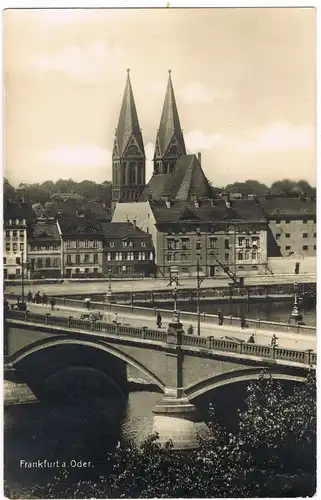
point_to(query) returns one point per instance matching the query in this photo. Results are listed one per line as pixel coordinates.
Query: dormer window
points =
(111, 244)
(143, 244)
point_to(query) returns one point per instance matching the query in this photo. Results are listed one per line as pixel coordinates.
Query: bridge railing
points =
(213, 344)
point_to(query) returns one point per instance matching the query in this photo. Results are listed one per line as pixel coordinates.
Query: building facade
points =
(292, 226)
(44, 250)
(82, 247)
(17, 219)
(128, 251)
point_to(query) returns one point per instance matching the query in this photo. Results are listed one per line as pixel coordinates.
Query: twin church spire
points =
(129, 161)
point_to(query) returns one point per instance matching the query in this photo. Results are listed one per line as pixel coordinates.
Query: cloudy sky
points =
(244, 81)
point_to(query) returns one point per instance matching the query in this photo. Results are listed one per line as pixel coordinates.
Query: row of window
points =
(215, 229)
(126, 243)
(15, 247)
(86, 270)
(83, 244)
(288, 235)
(17, 222)
(313, 221)
(87, 258)
(44, 247)
(130, 256)
(45, 263)
(304, 247)
(15, 233)
(176, 256)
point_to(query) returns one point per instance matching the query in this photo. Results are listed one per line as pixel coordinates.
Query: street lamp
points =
(24, 265)
(109, 292)
(174, 282)
(296, 315)
(199, 281)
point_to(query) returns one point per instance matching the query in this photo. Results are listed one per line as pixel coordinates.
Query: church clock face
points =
(133, 150)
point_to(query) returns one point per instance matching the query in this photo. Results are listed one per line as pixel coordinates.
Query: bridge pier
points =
(177, 420)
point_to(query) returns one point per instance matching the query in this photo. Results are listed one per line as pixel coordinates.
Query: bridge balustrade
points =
(56, 320)
(81, 324)
(256, 350)
(193, 340)
(99, 326)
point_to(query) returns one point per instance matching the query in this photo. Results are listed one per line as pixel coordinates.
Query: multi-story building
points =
(82, 246)
(128, 251)
(17, 219)
(44, 250)
(292, 226)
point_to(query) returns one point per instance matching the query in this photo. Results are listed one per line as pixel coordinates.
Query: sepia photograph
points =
(159, 252)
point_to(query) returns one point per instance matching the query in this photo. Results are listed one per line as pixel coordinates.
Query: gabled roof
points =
(17, 210)
(122, 230)
(186, 179)
(128, 124)
(74, 226)
(45, 232)
(141, 212)
(169, 124)
(288, 207)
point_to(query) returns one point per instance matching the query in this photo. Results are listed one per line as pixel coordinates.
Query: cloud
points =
(81, 155)
(93, 63)
(196, 139)
(279, 136)
(195, 92)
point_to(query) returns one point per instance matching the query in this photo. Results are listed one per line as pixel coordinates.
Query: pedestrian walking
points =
(159, 320)
(243, 322)
(273, 340)
(44, 299)
(52, 303)
(220, 317)
(29, 296)
(190, 330)
(251, 339)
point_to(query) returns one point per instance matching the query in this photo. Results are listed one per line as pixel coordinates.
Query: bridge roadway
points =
(286, 340)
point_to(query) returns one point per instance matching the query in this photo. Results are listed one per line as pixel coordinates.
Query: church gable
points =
(115, 149)
(133, 149)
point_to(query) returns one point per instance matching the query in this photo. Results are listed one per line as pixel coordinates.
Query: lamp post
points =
(109, 292)
(199, 281)
(24, 265)
(174, 282)
(296, 315)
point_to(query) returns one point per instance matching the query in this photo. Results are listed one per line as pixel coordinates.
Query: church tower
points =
(170, 143)
(128, 176)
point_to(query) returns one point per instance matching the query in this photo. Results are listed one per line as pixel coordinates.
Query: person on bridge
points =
(44, 299)
(29, 296)
(273, 340)
(251, 339)
(159, 320)
(220, 317)
(53, 303)
(243, 322)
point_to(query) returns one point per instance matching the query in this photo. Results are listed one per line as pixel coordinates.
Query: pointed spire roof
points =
(128, 123)
(170, 125)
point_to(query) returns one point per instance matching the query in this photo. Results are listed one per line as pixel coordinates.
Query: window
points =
(247, 255)
(22, 247)
(14, 234)
(255, 268)
(17, 260)
(305, 222)
(7, 247)
(314, 235)
(185, 243)
(254, 255)
(22, 234)
(247, 243)
(277, 222)
(277, 236)
(39, 262)
(287, 221)
(170, 244)
(184, 256)
(304, 235)
(77, 244)
(212, 255)
(169, 257)
(7, 234)
(240, 240)
(68, 244)
(4, 260)
(288, 247)
(77, 271)
(305, 247)
(287, 235)
(240, 268)
(213, 242)
(96, 244)
(198, 245)
(240, 256)
(227, 244)
(15, 247)
(69, 261)
(314, 247)
(86, 270)
(95, 258)
(227, 256)
(86, 243)
(143, 244)
(55, 262)
(77, 259)
(111, 244)
(47, 263)
(125, 243)
(18, 271)
(86, 258)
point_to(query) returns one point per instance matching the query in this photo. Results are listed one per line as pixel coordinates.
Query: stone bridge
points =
(36, 346)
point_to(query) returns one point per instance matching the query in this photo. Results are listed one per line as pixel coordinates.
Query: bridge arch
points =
(45, 344)
(195, 390)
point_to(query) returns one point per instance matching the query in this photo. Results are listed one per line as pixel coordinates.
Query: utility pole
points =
(22, 279)
(199, 280)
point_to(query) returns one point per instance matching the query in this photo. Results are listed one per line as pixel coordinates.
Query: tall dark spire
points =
(169, 141)
(128, 123)
(128, 152)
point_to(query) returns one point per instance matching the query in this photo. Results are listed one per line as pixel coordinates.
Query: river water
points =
(52, 431)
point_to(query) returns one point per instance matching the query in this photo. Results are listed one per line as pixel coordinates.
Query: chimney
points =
(199, 157)
(226, 198)
(134, 222)
(196, 200)
(166, 198)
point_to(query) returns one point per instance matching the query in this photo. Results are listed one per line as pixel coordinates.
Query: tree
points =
(248, 187)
